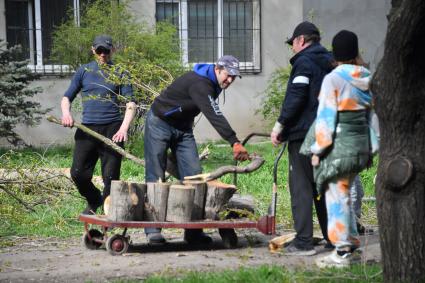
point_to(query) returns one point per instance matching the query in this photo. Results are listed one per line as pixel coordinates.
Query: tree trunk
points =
(399, 87)
(180, 203)
(199, 199)
(156, 201)
(218, 196)
(126, 201)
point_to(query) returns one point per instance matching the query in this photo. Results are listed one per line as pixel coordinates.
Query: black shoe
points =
(196, 237)
(156, 238)
(329, 246)
(363, 230)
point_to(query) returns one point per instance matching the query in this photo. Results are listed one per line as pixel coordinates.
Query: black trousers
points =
(86, 154)
(303, 193)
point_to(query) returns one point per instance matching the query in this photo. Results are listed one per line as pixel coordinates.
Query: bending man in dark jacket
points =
(169, 125)
(310, 64)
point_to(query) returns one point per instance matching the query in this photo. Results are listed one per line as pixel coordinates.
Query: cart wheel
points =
(229, 238)
(117, 244)
(90, 242)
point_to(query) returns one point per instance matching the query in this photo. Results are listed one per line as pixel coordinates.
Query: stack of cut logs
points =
(190, 201)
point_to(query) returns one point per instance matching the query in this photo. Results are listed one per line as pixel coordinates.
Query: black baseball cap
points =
(304, 28)
(104, 41)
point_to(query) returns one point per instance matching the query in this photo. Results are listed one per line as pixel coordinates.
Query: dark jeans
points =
(303, 192)
(159, 137)
(86, 153)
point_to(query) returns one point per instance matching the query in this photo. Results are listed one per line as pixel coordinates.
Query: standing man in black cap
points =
(310, 64)
(169, 125)
(101, 113)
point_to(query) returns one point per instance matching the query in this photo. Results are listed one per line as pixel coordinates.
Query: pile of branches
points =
(31, 183)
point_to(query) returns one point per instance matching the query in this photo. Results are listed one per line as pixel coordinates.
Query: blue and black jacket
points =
(299, 107)
(189, 95)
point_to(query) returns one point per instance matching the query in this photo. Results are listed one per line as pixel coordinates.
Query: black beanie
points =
(345, 46)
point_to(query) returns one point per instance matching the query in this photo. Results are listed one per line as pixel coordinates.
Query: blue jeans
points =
(159, 137)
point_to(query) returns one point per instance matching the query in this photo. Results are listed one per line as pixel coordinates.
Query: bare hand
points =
(67, 120)
(120, 136)
(274, 137)
(315, 160)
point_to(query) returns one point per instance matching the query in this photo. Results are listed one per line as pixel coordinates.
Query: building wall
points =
(367, 18)
(2, 20)
(242, 99)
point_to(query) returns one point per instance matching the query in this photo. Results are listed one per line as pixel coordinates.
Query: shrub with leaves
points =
(274, 94)
(16, 106)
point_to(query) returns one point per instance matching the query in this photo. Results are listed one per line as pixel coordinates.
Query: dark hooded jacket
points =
(299, 107)
(189, 95)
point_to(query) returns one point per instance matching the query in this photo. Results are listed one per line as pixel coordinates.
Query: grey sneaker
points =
(292, 250)
(335, 260)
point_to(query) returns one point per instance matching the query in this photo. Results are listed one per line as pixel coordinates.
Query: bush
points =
(274, 94)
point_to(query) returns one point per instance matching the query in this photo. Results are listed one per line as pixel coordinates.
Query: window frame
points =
(35, 36)
(253, 66)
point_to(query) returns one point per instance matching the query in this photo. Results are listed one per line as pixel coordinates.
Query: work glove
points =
(239, 152)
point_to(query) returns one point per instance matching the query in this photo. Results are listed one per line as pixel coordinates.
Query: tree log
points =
(256, 162)
(180, 203)
(126, 201)
(218, 195)
(156, 201)
(199, 199)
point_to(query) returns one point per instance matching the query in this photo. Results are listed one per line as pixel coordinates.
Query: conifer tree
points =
(16, 106)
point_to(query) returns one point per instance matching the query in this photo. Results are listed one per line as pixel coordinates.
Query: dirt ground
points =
(60, 260)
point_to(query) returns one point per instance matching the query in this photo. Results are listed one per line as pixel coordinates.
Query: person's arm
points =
(326, 116)
(130, 111)
(201, 96)
(297, 93)
(67, 120)
(70, 94)
(211, 110)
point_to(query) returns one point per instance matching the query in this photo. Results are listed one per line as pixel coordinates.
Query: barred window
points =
(209, 29)
(30, 23)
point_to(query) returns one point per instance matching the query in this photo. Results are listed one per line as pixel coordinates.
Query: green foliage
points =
(274, 94)
(15, 94)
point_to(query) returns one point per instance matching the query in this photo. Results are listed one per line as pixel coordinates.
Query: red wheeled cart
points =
(117, 244)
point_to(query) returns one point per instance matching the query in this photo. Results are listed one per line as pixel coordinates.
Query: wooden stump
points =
(156, 201)
(218, 195)
(140, 189)
(180, 203)
(199, 199)
(126, 201)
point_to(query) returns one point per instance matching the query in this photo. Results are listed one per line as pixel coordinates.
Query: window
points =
(30, 23)
(209, 29)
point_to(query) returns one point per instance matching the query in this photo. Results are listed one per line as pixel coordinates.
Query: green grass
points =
(58, 217)
(356, 273)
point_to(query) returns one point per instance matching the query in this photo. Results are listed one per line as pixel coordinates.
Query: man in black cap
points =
(101, 113)
(170, 121)
(310, 64)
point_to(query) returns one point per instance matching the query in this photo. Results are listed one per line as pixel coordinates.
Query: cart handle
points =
(244, 141)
